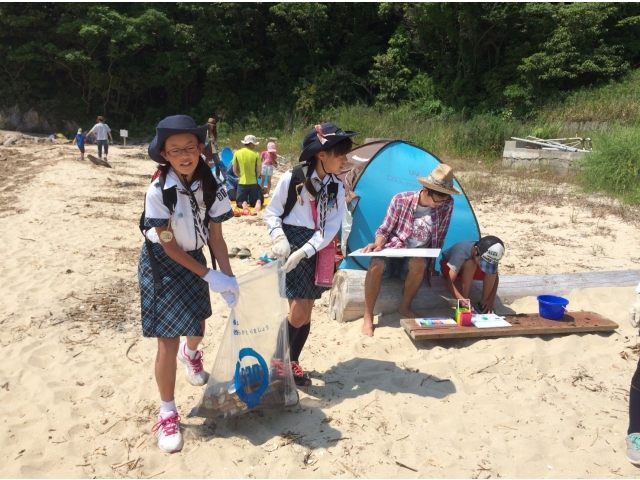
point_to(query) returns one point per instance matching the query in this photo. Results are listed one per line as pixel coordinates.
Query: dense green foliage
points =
(278, 65)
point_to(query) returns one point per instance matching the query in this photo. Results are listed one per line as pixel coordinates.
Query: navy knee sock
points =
(291, 333)
(298, 344)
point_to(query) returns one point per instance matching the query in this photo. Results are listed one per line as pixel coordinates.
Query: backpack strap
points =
(298, 176)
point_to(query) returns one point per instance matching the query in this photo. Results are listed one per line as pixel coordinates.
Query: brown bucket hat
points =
(440, 180)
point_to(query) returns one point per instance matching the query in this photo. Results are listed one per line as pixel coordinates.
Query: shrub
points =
(614, 166)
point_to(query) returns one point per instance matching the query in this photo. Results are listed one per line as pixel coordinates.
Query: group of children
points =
(303, 217)
(102, 134)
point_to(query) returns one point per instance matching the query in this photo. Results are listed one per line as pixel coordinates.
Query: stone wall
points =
(515, 155)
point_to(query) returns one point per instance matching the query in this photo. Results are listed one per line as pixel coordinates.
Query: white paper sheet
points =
(399, 252)
(489, 320)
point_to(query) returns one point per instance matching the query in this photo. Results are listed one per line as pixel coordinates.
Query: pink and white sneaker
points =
(168, 431)
(193, 367)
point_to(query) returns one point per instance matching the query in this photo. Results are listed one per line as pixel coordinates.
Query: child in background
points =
(79, 140)
(269, 161)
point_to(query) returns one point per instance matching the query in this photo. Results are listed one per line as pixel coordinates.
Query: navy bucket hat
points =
(174, 125)
(321, 138)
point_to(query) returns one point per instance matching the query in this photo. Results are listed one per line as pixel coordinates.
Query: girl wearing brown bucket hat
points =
(303, 217)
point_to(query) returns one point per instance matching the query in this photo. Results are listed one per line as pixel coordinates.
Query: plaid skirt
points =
(182, 302)
(301, 281)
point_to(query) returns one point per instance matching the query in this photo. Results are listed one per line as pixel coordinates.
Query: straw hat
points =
(440, 180)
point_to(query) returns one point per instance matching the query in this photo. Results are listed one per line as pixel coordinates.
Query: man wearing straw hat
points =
(413, 220)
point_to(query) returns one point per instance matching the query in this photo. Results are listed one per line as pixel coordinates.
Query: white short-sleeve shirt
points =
(189, 232)
(101, 130)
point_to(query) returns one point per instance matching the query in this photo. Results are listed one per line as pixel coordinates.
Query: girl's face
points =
(182, 151)
(332, 163)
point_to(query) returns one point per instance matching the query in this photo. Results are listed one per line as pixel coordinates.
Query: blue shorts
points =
(397, 267)
(81, 148)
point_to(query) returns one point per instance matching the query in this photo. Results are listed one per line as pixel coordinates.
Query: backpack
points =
(169, 199)
(298, 176)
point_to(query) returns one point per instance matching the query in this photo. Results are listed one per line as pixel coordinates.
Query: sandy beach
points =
(79, 395)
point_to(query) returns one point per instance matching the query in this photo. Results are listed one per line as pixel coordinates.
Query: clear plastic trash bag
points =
(252, 369)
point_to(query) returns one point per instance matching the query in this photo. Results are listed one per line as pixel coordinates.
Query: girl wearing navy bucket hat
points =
(184, 209)
(303, 217)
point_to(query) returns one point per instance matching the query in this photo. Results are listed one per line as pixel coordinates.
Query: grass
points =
(614, 168)
(615, 102)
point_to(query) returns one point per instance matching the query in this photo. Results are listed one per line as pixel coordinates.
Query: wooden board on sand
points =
(522, 324)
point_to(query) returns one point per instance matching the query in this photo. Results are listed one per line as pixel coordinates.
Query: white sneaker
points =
(168, 431)
(193, 367)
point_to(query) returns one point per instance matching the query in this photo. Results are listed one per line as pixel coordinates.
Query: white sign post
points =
(124, 134)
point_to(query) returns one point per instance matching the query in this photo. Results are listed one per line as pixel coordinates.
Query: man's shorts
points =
(397, 267)
(267, 170)
(248, 193)
(81, 148)
(444, 270)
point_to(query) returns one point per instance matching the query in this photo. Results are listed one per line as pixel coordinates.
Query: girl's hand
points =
(281, 247)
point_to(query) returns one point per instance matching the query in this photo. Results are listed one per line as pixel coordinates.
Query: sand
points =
(79, 395)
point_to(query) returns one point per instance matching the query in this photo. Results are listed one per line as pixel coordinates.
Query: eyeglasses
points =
(179, 151)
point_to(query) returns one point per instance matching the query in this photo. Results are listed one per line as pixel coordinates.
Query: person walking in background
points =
(246, 166)
(102, 132)
(79, 140)
(269, 162)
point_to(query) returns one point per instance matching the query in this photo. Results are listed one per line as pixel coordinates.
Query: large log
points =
(346, 301)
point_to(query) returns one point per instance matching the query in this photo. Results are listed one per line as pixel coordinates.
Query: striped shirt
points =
(397, 226)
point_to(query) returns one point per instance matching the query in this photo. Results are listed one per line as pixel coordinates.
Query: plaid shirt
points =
(397, 226)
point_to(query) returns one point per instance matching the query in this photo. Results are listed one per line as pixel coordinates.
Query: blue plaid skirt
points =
(182, 302)
(301, 281)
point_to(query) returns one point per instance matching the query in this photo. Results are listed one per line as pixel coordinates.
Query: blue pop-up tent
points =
(375, 173)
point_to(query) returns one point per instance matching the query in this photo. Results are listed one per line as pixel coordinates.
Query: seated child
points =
(469, 260)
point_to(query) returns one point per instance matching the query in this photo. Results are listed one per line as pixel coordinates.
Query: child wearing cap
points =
(269, 161)
(469, 260)
(172, 272)
(246, 166)
(79, 140)
(303, 218)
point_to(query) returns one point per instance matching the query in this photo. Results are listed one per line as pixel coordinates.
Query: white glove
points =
(634, 314)
(294, 260)
(281, 247)
(230, 298)
(218, 281)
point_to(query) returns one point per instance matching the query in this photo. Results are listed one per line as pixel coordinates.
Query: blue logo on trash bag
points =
(248, 376)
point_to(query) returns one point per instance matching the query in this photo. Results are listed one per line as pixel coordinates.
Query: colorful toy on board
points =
(463, 314)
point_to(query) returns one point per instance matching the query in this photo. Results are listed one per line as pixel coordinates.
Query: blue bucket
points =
(552, 307)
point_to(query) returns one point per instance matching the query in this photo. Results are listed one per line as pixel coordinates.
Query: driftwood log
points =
(346, 301)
